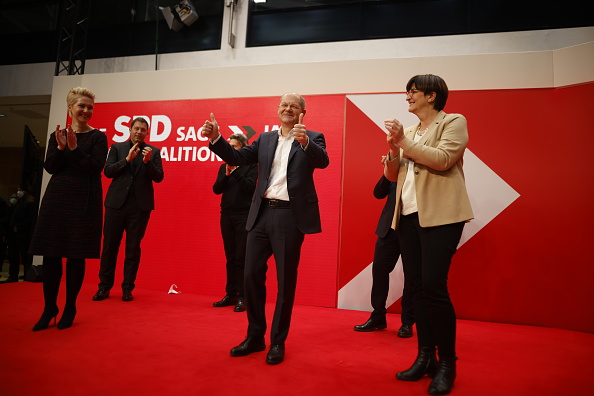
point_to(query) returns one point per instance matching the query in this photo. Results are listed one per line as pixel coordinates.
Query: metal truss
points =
(74, 24)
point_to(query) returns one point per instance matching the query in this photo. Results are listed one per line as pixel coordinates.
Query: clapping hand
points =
(66, 137)
(71, 137)
(395, 134)
(229, 169)
(61, 138)
(132, 153)
(146, 154)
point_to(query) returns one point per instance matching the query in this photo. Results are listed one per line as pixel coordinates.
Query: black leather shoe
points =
(425, 363)
(10, 280)
(444, 377)
(371, 325)
(240, 306)
(226, 301)
(127, 296)
(101, 295)
(405, 331)
(276, 354)
(249, 345)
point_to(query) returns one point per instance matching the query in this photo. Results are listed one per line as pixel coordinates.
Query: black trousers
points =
(385, 257)
(274, 233)
(134, 222)
(426, 255)
(234, 242)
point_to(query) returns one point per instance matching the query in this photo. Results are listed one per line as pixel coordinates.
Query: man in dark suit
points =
(133, 166)
(385, 257)
(284, 208)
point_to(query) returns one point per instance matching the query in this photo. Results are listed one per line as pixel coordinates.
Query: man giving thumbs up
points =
(284, 208)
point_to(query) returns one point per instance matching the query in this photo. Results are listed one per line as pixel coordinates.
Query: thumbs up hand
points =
(300, 132)
(210, 129)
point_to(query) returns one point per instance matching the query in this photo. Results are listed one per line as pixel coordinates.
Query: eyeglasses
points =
(412, 92)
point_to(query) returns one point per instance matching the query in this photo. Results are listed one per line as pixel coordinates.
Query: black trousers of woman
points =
(426, 257)
(52, 276)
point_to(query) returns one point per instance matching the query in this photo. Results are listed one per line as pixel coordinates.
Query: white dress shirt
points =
(277, 182)
(409, 191)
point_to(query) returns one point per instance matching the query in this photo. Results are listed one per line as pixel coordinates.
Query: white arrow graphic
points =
(489, 195)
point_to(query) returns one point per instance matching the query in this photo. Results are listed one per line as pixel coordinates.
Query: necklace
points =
(421, 133)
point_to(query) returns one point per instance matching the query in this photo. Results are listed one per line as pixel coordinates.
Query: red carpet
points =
(165, 344)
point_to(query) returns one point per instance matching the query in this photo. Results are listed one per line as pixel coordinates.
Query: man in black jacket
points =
(236, 184)
(133, 166)
(385, 257)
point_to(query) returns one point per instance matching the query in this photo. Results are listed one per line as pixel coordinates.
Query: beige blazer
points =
(439, 177)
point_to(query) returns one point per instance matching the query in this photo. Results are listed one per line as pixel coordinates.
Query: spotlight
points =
(182, 14)
(187, 12)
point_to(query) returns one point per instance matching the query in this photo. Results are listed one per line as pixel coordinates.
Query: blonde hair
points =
(76, 92)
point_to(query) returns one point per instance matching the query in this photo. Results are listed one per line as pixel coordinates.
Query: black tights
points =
(52, 276)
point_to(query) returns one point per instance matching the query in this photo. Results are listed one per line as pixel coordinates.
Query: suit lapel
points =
(432, 127)
(294, 147)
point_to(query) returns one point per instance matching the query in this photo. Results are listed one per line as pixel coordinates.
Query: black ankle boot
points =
(46, 317)
(444, 377)
(425, 363)
(67, 318)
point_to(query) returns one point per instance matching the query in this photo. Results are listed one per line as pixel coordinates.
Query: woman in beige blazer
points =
(432, 206)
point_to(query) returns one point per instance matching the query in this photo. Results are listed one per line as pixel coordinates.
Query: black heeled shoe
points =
(67, 318)
(46, 318)
(425, 363)
(444, 377)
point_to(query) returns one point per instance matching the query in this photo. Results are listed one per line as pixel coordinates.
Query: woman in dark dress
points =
(69, 222)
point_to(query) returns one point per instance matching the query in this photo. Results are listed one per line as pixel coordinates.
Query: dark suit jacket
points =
(124, 178)
(300, 182)
(383, 188)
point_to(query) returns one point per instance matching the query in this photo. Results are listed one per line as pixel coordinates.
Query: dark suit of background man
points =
(236, 185)
(385, 257)
(284, 208)
(133, 166)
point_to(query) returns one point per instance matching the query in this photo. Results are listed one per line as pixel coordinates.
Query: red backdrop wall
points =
(183, 243)
(530, 265)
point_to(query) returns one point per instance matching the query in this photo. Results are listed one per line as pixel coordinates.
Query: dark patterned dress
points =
(70, 217)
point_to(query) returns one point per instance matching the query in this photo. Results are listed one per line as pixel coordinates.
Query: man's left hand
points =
(146, 154)
(229, 169)
(300, 132)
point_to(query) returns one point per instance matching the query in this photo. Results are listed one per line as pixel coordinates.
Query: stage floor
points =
(178, 344)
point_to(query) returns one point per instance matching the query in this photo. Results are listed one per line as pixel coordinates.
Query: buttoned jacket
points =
(300, 181)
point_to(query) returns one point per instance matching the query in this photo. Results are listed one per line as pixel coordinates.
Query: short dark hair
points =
(429, 83)
(241, 138)
(139, 119)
